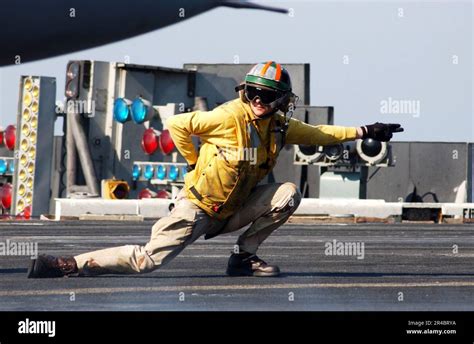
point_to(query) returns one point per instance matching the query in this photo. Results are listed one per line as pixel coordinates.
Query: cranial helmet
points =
(269, 76)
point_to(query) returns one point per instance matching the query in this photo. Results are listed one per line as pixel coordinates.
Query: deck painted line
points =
(231, 287)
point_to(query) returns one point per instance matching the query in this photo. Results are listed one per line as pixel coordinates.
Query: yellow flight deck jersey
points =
(237, 150)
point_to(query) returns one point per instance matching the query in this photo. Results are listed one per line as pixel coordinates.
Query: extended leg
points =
(170, 235)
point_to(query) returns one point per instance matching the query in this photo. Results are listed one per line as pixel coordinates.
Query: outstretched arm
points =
(306, 134)
(303, 133)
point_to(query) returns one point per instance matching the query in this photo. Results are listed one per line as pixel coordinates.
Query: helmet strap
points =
(239, 87)
(290, 108)
(277, 104)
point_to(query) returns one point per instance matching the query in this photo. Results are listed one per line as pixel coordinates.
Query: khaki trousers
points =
(266, 209)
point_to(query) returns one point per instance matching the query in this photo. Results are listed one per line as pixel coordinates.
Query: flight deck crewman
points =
(240, 143)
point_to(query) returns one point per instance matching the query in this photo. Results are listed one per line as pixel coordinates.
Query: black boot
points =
(49, 266)
(246, 264)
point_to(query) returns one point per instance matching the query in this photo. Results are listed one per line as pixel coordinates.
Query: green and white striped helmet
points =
(269, 74)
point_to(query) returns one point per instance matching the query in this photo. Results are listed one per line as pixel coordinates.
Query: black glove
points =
(189, 168)
(380, 131)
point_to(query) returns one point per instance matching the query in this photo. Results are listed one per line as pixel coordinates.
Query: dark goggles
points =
(266, 96)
